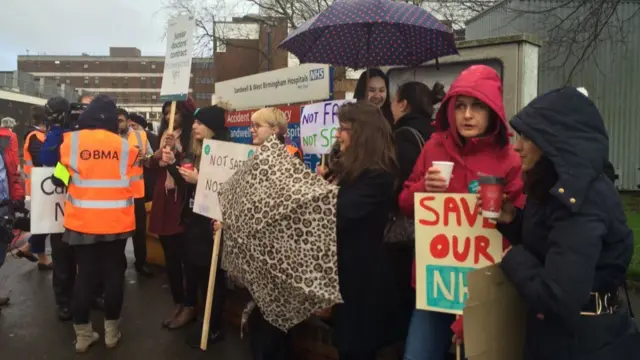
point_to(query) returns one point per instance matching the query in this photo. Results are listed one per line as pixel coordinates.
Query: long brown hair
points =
(371, 147)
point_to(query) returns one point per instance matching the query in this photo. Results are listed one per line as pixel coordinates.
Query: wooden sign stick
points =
(210, 290)
(172, 115)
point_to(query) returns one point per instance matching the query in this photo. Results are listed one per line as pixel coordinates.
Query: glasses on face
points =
(256, 126)
(342, 129)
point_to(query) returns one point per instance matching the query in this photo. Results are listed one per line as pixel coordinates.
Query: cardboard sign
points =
(494, 317)
(219, 161)
(452, 239)
(47, 214)
(318, 126)
(177, 60)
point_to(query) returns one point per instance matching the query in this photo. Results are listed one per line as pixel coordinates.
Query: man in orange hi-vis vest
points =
(97, 164)
(131, 127)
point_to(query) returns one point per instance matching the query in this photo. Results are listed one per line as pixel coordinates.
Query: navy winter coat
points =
(573, 242)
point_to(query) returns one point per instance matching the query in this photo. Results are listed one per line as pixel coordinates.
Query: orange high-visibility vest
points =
(139, 139)
(28, 160)
(99, 196)
(294, 151)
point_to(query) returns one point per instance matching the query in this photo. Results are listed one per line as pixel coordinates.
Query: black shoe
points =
(45, 267)
(144, 271)
(193, 337)
(4, 300)
(23, 255)
(64, 313)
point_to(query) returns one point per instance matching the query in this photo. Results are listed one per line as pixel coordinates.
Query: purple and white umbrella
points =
(370, 33)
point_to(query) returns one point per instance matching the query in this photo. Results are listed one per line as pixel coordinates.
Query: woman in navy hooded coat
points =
(571, 243)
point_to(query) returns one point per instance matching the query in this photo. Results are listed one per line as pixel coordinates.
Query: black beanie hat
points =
(101, 113)
(138, 119)
(211, 117)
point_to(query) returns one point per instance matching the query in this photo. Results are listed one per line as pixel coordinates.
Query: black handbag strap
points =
(415, 132)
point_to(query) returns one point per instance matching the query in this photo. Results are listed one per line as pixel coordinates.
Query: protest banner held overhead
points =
(318, 126)
(219, 161)
(452, 239)
(47, 203)
(177, 63)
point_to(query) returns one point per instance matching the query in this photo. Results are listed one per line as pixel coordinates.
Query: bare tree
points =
(572, 30)
(214, 31)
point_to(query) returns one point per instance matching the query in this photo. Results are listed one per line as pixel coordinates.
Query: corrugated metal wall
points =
(612, 77)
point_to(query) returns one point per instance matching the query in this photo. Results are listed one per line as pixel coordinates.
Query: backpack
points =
(4, 176)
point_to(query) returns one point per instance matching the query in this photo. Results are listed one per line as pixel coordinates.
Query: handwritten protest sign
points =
(177, 62)
(219, 161)
(452, 239)
(47, 210)
(318, 126)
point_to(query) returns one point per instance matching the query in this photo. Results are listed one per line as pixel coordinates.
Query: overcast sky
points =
(74, 26)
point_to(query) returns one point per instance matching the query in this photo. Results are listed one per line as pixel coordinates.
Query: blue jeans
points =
(37, 243)
(429, 336)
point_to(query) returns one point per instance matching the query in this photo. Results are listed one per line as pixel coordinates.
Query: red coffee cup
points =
(491, 192)
(187, 164)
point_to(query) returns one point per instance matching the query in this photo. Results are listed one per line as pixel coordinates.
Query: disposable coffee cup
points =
(491, 193)
(187, 164)
(446, 168)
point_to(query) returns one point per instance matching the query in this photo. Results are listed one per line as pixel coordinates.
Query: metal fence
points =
(28, 84)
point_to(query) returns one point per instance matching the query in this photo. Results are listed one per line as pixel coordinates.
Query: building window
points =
(154, 97)
(68, 82)
(125, 82)
(143, 63)
(153, 66)
(57, 62)
(114, 83)
(96, 81)
(86, 82)
(153, 82)
(58, 78)
(86, 66)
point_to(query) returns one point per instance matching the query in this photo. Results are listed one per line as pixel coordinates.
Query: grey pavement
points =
(30, 330)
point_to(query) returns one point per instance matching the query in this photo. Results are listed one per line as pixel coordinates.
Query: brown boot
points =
(187, 315)
(174, 314)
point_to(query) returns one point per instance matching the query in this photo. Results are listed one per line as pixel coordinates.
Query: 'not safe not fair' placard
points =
(218, 162)
(452, 239)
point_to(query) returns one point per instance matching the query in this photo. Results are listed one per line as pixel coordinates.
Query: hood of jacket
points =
(101, 113)
(481, 82)
(568, 128)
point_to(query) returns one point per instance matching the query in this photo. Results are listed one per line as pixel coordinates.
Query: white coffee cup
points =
(446, 168)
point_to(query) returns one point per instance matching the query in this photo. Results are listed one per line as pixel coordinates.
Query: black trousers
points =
(140, 235)
(200, 276)
(175, 263)
(349, 356)
(104, 261)
(267, 342)
(64, 270)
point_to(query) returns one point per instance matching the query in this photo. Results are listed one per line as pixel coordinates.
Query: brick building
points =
(244, 46)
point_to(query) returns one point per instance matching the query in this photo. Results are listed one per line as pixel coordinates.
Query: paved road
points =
(29, 329)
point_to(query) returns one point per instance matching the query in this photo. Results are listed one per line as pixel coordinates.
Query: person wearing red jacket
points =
(11, 162)
(472, 132)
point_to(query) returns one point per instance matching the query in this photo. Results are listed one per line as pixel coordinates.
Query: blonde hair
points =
(196, 145)
(273, 117)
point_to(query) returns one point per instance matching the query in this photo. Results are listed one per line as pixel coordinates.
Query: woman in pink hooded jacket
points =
(471, 132)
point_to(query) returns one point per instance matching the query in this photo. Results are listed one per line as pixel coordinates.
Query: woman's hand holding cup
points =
(434, 181)
(507, 211)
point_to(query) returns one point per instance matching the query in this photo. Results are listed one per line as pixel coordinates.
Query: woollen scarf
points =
(170, 183)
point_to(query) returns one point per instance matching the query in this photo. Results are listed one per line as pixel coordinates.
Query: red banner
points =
(243, 117)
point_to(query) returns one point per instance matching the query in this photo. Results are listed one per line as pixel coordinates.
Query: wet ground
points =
(30, 330)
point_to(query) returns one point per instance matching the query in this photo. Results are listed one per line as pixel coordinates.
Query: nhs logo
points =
(316, 74)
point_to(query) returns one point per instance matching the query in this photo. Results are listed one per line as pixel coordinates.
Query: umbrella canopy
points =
(369, 33)
(279, 235)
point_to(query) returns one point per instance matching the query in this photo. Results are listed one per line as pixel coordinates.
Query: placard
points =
(318, 126)
(452, 239)
(219, 161)
(177, 59)
(47, 202)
